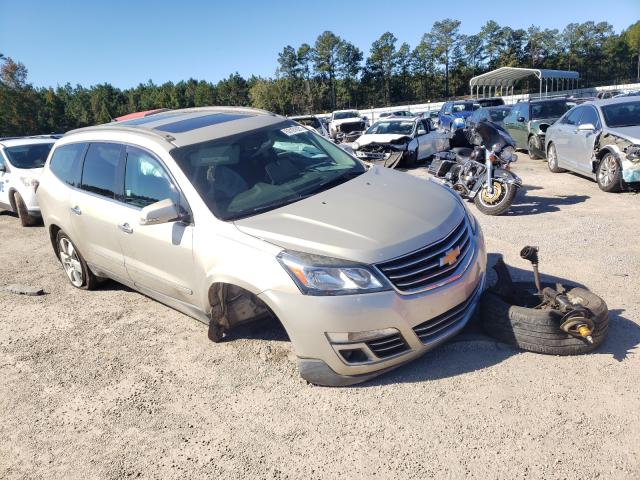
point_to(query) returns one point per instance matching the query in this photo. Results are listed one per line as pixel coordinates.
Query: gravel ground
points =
(110, 384)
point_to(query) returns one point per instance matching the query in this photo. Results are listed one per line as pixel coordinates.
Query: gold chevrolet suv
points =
(232, 214)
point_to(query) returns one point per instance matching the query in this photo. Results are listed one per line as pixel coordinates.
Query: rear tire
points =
(532, 145)
(609, 174)
(537, 330)
(74, 265)
(25, 219)
(552, 159)
(502, 204)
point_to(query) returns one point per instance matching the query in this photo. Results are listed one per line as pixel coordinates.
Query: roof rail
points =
(221, 108)
(111, 127)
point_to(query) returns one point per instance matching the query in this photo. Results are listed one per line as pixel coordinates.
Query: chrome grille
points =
(427, 268)
(388, 346)
(433, 327)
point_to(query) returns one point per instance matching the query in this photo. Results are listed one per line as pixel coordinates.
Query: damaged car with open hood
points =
(599, 139)
(402, 142)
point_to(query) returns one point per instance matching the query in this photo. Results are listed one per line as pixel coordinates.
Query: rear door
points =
(95, 211)
(157, 257)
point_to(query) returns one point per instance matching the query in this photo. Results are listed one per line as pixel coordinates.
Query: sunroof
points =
(188, 124)
(151, 118)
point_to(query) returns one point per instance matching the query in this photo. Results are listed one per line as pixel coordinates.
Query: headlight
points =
(29, 181)
(508, 154)
(633, 152)
(355, 145)
(318, 275)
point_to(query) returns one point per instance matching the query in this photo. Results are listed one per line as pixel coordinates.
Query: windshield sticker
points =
(290, 131)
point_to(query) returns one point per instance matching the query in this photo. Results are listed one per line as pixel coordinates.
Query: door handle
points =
(76, 210)
(126, 228)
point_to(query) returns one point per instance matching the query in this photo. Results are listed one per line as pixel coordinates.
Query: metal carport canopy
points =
(507, 76)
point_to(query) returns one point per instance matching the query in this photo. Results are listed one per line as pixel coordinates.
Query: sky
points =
(129, 42)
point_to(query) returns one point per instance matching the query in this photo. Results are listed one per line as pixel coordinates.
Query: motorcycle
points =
(479, 169)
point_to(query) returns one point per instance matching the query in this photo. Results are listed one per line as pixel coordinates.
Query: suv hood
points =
(376, 216)
(379, 138)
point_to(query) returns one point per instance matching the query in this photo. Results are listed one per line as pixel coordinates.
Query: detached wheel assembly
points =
(543, 320)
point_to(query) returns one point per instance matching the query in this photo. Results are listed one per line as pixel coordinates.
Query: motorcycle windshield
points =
(490, 134)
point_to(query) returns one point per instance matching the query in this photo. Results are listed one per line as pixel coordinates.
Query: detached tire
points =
(25, 219)
(539, 330)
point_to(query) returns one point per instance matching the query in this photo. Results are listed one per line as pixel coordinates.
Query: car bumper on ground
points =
(401, 327)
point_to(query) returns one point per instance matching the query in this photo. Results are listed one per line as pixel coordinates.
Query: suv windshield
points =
(29, 156)
(550, 109)
(260, 170)
(462, 107)
(622, 114)
(343, 115)
(499, 114)
(397, 127)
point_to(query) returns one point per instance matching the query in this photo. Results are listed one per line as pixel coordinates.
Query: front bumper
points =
(308, 319)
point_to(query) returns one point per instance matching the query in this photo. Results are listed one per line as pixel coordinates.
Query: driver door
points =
(584, 140)
(430, 141)
(157, 257)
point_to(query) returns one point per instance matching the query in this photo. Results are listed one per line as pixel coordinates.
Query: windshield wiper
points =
(335, 181)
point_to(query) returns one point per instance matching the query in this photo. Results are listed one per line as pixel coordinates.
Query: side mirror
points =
(520, 119)
(586, 127)
(3, 168)
(422, 131)
(164, 211)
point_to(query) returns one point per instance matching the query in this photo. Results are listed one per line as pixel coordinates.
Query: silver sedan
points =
(599, 139)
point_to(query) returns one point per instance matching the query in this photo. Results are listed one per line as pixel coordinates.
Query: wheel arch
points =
(597, 158)
(53, 234)
(12, 199)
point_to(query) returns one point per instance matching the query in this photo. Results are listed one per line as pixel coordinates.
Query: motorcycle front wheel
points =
(497, 202)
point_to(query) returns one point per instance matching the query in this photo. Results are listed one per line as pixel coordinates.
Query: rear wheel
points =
(533, 146)
(552, 159)
(609, 174)
(74, 264)
(498, 201)
(25, 219)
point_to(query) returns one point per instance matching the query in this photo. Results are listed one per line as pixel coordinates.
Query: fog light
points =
(357, 337)
(354, 355)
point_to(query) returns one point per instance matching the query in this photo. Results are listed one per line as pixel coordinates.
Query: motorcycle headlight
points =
(318, 275)
(458, 123)
(29, 181)
(508, 154)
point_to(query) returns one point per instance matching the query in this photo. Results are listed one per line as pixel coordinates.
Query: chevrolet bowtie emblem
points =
(450, 257)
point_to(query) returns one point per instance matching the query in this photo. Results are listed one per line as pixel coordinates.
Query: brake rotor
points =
(491, 197)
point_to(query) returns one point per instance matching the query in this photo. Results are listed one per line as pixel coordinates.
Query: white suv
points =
(21, 162)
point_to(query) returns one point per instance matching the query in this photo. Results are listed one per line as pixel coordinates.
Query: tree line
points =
(334, 73)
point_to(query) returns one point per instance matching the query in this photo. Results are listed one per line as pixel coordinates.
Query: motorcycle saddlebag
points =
(440, 166)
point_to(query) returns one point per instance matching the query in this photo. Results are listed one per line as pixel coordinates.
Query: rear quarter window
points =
(65, 162)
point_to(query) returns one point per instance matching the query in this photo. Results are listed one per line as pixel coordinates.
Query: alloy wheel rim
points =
(552, 156)
(608, 170)
(496, 197)
(71, 262)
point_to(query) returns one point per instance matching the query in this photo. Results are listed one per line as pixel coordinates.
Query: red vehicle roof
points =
(146, 113)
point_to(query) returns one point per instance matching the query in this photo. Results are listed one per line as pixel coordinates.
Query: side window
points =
(590, 116)
(100, 168)
(2, 164)
(146, 181)
(515, 112)
(573, 116)
(65, 163)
